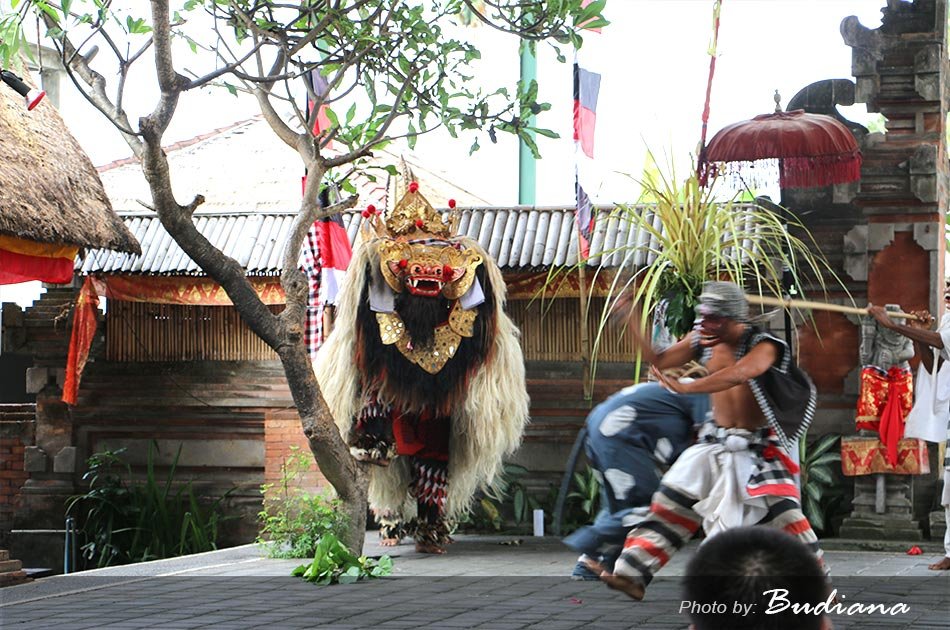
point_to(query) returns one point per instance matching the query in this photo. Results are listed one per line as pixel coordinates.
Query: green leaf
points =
(827, 458)
(412, 136)
(824, 444)
(813, 513)
(50, 11)
(332, 117)
(520, 504)
(547, 133)
(821, 474)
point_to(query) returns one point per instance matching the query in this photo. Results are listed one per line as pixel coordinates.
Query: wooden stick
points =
(764, 300)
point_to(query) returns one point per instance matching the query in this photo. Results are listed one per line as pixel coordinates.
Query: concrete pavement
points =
(483, 582)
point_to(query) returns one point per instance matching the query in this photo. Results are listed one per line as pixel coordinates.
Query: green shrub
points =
(124, 521)
(822, 493)
(293, 522)
(583, 502)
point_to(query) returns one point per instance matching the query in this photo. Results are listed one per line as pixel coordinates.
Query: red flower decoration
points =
(365, 213)
(413, 186)
(403, 263)
(420, 223)
(371, 209)
(447, 271)
(452, 203)
(915, 551)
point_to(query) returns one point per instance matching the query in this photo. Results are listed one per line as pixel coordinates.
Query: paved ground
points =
(481, 583)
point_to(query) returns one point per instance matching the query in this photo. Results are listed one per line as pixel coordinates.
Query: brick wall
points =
(12, 475)
(282, 432)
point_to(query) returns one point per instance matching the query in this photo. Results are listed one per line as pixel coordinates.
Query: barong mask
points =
(416, 253)
(427, 300)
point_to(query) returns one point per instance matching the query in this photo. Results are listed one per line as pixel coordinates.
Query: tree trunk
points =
(347, 476)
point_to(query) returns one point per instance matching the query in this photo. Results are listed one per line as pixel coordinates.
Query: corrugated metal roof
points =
(517, 238)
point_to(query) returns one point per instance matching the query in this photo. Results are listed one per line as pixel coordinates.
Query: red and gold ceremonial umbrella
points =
(811, 149)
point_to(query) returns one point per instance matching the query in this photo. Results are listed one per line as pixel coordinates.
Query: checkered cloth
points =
(311, 266)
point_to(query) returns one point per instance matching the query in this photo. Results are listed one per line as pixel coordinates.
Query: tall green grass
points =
(123, 520)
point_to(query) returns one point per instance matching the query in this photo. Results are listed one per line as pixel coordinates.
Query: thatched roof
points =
(49, 190)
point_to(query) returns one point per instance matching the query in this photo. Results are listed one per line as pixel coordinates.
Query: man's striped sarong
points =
(732, 477)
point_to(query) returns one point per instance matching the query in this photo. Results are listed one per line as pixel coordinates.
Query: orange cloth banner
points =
(868, 456)
(84, 329)
(189, 290)
(22, 260)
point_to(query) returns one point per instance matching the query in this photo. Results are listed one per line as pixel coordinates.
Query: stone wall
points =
(17, 427)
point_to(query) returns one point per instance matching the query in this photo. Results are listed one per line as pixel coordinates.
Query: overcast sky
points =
(653, 62)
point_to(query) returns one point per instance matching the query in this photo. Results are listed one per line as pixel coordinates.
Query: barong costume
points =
(632, 437)
(423, 371)
(731, 477)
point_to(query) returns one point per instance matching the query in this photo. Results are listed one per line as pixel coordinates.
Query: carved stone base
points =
(39, 519)
(886, 515)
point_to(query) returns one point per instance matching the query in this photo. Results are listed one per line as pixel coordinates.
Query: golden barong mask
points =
(416, 253)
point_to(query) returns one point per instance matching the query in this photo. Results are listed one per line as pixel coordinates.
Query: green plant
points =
(334, 564)
(820, 492)
(123, 520)
(584, 500)
(293, 522)
(509, 501)
(691, 236)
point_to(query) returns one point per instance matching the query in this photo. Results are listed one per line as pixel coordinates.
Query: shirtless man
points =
(738, 473)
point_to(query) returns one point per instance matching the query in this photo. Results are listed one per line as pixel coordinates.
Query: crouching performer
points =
(423, 371)
(739, 472)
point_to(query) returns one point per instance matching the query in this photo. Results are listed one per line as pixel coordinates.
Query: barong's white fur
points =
(486, 428)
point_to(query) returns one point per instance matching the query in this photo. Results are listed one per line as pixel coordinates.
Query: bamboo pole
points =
(764, 300)
(585, 333)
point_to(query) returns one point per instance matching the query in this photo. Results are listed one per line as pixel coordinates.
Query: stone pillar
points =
(901, 71)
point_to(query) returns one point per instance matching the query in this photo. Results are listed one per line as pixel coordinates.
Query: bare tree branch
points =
(78, 66)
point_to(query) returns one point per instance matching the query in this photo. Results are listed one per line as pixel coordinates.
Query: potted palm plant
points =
(687, 235)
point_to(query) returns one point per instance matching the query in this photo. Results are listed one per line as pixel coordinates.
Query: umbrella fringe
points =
(822, 170)
(794, 172)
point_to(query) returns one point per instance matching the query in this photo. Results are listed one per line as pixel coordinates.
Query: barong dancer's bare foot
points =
(390, 542)
(620, 583)
(427, 547)
(943, 565)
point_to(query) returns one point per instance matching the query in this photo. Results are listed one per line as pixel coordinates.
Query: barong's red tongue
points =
(891, 427)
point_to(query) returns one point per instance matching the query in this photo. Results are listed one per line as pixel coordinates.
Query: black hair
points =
(749, 566)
